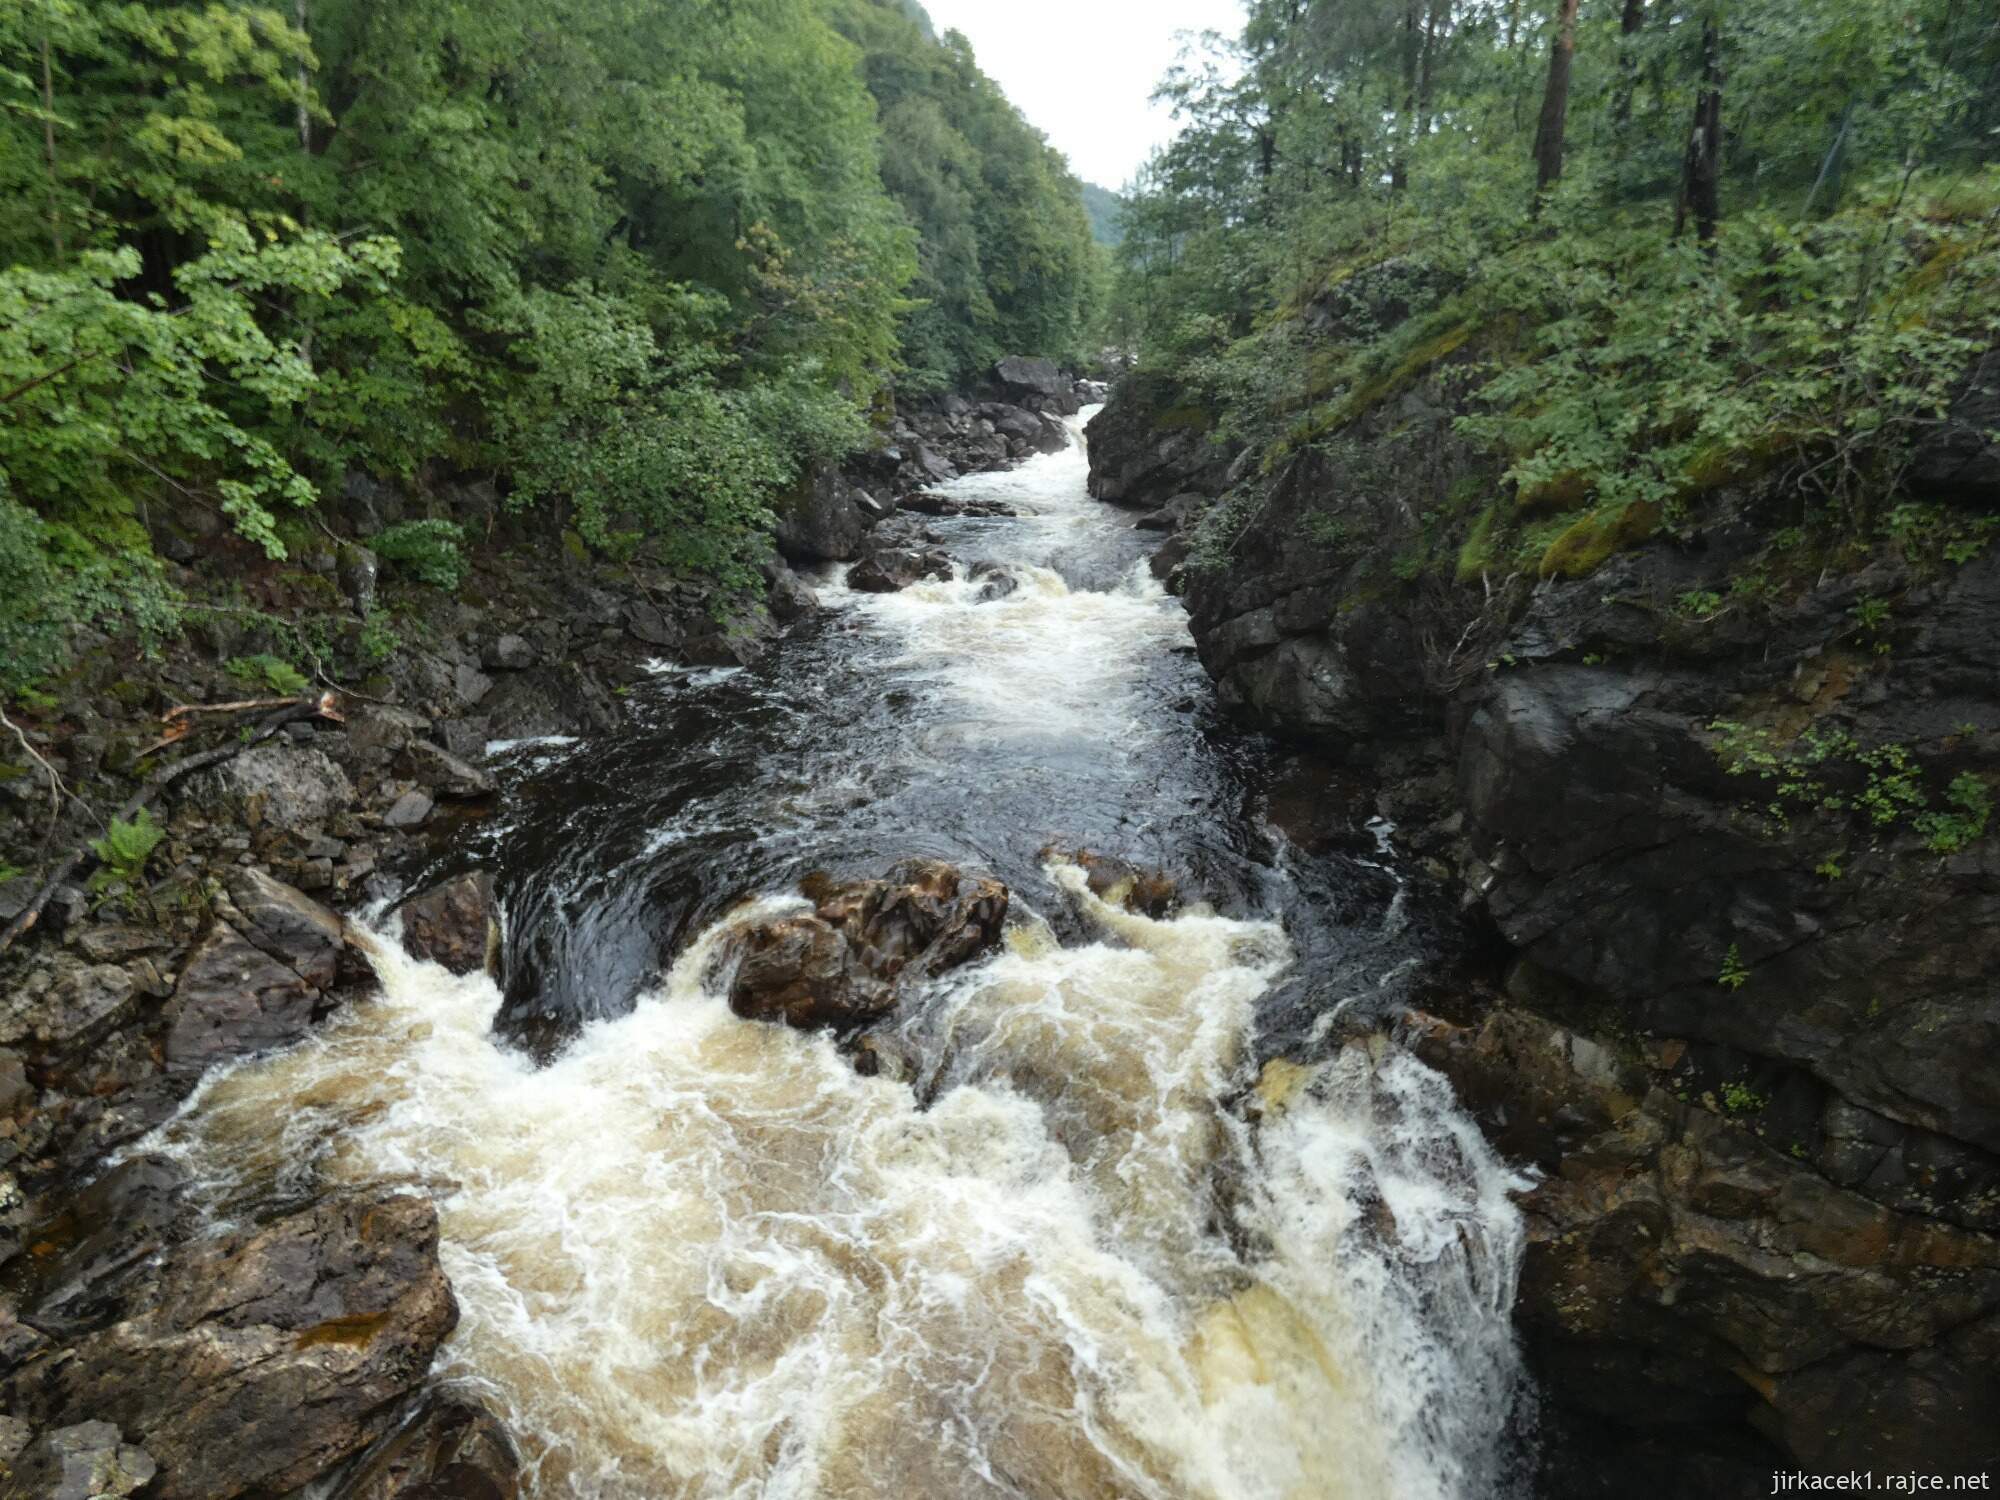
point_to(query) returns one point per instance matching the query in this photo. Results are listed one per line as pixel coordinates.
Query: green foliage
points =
(1970, 808)
(1005, 258)
(123, 851)
(429, 551)
(1829, 771)
(639, 265)
(273, 672)
(1734, 974)
(1741, 1099)
(1347, 218)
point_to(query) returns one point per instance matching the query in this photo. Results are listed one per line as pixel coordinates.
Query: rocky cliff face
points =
(1728, 817)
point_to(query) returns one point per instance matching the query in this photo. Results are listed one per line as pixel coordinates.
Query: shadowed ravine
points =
(1117, 1250)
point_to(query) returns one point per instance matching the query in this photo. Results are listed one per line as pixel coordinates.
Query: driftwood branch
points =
(323, 706)
(57, 790)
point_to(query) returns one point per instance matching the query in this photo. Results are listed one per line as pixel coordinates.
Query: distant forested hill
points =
(1107, 214)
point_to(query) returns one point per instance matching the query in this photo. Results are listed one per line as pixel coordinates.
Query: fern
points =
(278, 675)
(123, 851)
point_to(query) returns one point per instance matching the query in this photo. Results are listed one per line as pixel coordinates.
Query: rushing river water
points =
(1107, 1255)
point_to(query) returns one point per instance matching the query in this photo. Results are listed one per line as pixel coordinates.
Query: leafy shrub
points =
(427, 550)
(31, 607)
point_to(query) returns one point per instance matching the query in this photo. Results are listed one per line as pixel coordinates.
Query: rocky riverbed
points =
(149, 1345)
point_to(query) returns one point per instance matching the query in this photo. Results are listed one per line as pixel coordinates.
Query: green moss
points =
(1185, 419)
(1583, 548)
(1406, 371)
(1565, 492)
(1476, 553)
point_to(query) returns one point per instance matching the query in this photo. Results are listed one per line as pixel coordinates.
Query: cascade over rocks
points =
(841, 965)
(1151, 893)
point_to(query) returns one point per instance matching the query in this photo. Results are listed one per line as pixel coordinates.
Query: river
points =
(1115, 1247)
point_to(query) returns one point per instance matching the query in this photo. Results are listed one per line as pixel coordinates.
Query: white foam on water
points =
(1092, 1256)
(703, 1257)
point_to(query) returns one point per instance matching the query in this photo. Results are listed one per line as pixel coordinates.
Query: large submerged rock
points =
(841, 965)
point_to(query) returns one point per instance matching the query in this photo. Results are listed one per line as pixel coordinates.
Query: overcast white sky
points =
(1082, 70)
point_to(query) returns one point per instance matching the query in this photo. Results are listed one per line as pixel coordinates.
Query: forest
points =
(637, 266)
(1662, 246)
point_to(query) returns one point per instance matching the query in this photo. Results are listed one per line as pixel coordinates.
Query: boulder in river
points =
(823, 521)
(840, 965)
(455, 924)
(1151, 893)
(895, 568)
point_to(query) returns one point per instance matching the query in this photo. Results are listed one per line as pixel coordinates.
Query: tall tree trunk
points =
(1701, 173)
(305, 81)
(1630, 25)
(49, 148)
(1436, 27)
(1555, 101)
(1399, 169)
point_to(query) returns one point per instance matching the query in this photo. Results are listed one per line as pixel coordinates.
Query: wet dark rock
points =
(933, 466)
(896, 568)
(1029, 377)
(450, 1450)
(790, 597)
(800, 970)
(547, 700)
(257, 980)
(284, 787)
(1959, 457)
(995, 580)
(1680, 1262)
(1176, 515)
(841, 965)
(455, 924)
(88, 1461)
(104, 1238)
(824, 521)
(1150, 443)
(251, 1363)
(444, 773)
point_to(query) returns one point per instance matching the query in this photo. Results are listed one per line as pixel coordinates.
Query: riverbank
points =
(339, 715)
(1716, 798)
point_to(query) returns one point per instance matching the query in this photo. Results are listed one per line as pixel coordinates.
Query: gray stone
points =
(292, 788)
(445, 773)
(89, 1461)
(509, 653)
(408, 810)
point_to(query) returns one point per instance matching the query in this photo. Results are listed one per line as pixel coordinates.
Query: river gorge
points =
(1103, 1242)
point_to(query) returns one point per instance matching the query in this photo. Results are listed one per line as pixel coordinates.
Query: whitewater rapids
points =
(1097, 1255)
